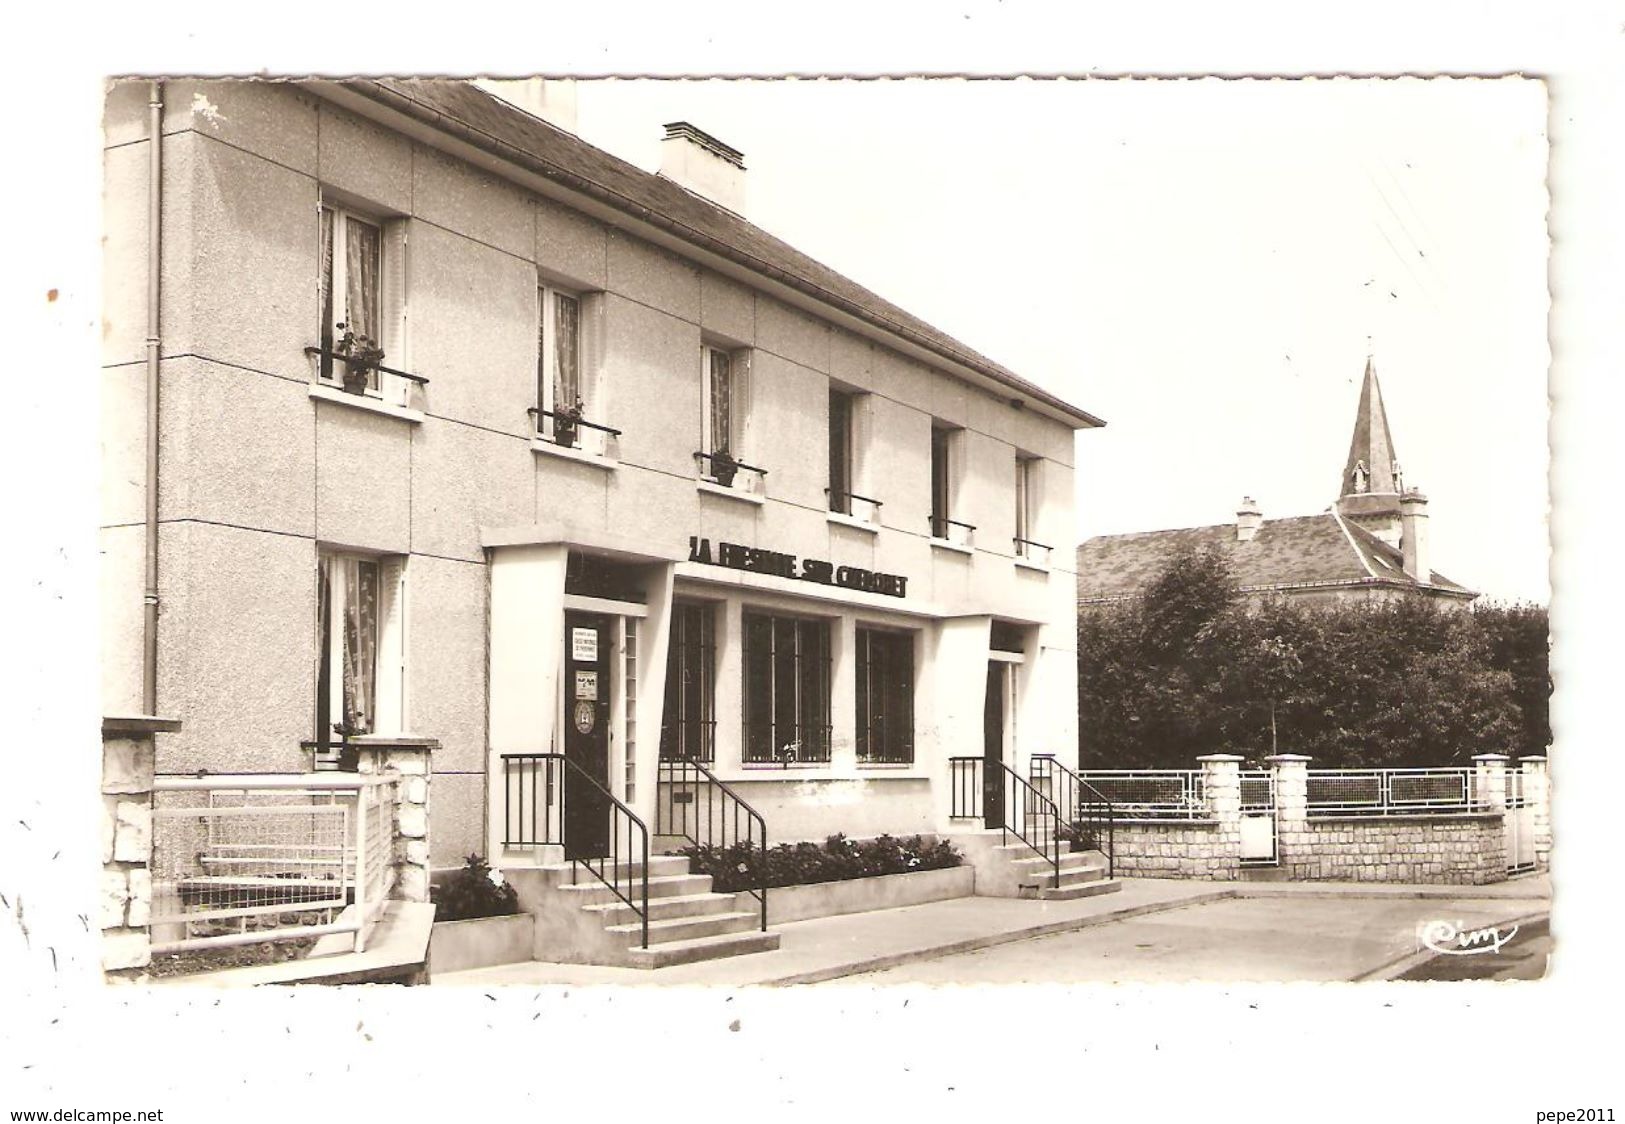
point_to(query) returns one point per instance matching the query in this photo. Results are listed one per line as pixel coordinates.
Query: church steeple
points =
(1372, 479)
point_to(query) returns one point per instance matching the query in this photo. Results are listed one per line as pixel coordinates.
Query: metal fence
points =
(1390, 792)
(1151, 794)
(246, 860)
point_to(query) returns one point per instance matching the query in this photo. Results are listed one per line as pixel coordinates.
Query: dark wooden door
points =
(587, 639)
(993, 748)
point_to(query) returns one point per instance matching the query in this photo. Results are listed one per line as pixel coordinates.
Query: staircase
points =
(580, 920)
(1082, 874)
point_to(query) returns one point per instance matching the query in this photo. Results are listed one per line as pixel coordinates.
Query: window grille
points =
(885, 697)
(787, 677)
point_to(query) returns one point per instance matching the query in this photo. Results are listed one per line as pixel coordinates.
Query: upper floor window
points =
(361, 289)
(360, 674)
(944, 455)
(787, 677)
(560, 398)
(885, 697)
(1027, 500)
(840, 452)
(722, 419)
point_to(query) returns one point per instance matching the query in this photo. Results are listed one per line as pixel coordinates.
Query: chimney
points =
(1248, 519)
(551, 99)
(704, 165)
(1413, 535)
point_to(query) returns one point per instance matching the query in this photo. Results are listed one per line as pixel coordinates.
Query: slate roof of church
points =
(1300, 552)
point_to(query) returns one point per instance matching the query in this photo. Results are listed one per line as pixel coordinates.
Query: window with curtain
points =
(719, 404)
(360, 655)
(885, 697)
(689, 721)
(787, 677)
(840, 452)
(940, 511)
(559, 384)
(351, 261)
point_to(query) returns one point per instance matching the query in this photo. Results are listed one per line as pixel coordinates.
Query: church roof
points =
(1301, 552)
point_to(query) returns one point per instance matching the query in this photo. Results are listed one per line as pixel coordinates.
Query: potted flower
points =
(361, 355)
(724, 468)
(566, 420)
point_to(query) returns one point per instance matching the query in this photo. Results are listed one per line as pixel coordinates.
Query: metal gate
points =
(1258, 818)
(1519, 825)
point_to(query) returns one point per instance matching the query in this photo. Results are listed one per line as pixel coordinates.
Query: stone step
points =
(618, 912)
(702, 948)
(1078, 890)
(687, 928)
(590, 891)
(658, 865)
(1072, 877)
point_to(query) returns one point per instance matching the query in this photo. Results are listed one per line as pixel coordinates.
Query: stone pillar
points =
(1291, 806)
(1221, 787)
(1537, 790)
(1490, 782)
(128, 764)
(409, 760)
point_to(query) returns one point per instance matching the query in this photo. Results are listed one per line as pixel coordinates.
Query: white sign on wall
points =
(584, 645)
(587, 685)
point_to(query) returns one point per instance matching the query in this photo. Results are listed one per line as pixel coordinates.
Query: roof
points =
(1306, 551)
(481, 119)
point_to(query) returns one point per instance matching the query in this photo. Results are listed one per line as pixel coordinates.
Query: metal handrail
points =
(1082, 794)
(1030, 542)
(610, 875)
(965, 787)
(943, 519)
(536, 411)
(755, 824)
(328, 354)
(608, 868)
(736, 463)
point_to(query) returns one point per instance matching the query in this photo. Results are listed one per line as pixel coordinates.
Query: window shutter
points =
(590, 357)
(742, 394)
(393, 301)
(391, 687)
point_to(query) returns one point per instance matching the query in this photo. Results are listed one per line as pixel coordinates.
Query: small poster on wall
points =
(587, 685)
(584, 645)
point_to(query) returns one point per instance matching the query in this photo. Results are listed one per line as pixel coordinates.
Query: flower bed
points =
(474, 891)
(744, 866)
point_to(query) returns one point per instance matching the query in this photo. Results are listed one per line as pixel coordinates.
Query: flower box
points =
(860, 895)
(481, 942)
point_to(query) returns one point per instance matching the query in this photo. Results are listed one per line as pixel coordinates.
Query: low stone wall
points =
(1460, 849)
(410, 760)
(481, 942)
(1177, 849)
(127, 779)
(858, 895)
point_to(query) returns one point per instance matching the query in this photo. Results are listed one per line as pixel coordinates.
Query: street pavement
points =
(1152, 930)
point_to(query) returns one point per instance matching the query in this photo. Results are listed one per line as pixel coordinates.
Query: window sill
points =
(572, 453)
(944, 544)
(1029, 564)
(854, 522)
(323, 393)
(731, 493)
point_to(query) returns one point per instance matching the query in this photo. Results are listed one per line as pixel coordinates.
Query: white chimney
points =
(704, 165)
(1413, 535)
(1248, 519)
(551, 99)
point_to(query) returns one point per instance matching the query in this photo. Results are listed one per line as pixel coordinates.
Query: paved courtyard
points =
(1285, 938)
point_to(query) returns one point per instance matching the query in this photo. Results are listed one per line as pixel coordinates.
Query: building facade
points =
(474, 436)
(1371, 545)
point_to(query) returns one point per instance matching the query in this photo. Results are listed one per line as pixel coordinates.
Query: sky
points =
(1205, 264)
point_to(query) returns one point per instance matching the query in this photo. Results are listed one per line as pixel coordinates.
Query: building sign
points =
(587, 685)
(755, 560)
(586, 717)
(584, 645)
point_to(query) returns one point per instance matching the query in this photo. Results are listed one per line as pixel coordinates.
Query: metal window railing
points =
(248, 860)
(1151, 794)
(1035, 552)
(865, 508)
(1391, 792)
(727, 471)
(572, 432)
(953, 531)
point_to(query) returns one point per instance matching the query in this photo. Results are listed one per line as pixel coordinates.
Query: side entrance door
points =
(587, 638)
(993, 747)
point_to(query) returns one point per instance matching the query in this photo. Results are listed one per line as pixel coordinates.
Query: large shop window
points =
(360, 673)
(689, 722)
(885, 715)
(361, 288)
(787, 673)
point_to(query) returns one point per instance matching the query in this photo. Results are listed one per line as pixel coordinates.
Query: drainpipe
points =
(155, 164)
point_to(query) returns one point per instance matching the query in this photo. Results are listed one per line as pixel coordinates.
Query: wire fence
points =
(1390, 792)
(1151, 794)
(269, 858)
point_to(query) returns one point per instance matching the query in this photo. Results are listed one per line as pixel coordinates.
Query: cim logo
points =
(1453, 938)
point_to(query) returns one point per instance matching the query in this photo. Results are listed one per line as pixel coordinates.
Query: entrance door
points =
(1519, 825)
(586, 734)
(993, 747)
